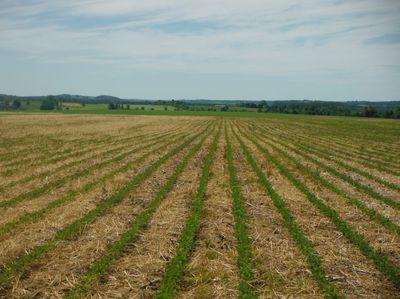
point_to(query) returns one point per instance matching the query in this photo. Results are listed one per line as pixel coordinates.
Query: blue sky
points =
(159, 49)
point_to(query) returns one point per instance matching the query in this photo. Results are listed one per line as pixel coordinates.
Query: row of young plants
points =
(321, 149)
(382, 262)
(368, 162)
(305, 245)
(372, 213)
(29, 195)
(374, 140)
(366, 189)
(244, 259)
(176, 266)
(327, 155)
(76, 228)
(386, 157)
(383, 161)
(77, 150)
(51, 157)
(45, 155)
(30, 217)
(114, 251)
(322, 152)
(343, 153)
(30, 144)
(40, 161)
(48, 147)
(105, 152)
(381, 152)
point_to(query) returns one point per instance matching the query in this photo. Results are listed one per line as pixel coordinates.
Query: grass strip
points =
(74, 229)
(101, 266)
(381, 261)
(71, 195)
(84, 172)
(244, 259)
(305, 245)
(372, 213)
(177, 264)
(358, 185)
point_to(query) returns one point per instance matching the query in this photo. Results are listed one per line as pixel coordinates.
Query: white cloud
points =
(256, 36)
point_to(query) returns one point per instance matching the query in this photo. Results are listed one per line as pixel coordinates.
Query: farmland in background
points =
(119, 206)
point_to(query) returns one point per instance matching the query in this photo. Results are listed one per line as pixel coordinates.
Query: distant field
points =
(139, 109)
(142, 206)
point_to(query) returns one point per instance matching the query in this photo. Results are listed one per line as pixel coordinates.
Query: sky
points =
(212, 49)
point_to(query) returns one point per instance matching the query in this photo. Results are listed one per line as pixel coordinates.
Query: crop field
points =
(130, 206)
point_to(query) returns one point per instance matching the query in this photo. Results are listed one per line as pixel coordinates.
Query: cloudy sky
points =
(230, 49)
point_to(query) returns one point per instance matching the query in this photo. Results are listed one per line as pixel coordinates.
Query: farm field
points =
(140, 206)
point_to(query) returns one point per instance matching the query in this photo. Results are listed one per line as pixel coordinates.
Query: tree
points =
(225, 108)
(16, 104)
(49, 104)
(4, 104)
(262, 104)
(397, 113)
(389, 114)
(370, 112)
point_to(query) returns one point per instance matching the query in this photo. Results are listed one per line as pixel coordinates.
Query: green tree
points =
(370, 112)
(225, 108)
(50, 103)
(16, 104)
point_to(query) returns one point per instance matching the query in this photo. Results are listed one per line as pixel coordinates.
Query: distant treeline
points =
(389, 109)
(353, 108)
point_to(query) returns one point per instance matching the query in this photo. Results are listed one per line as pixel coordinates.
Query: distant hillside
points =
(388, 109)
(104, 99)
